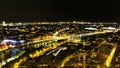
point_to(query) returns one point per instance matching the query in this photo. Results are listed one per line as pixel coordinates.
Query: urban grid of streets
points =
(60, 44)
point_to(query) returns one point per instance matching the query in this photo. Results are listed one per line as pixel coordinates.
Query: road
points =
(110, 57)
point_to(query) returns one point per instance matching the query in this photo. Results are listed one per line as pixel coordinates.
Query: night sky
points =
(59, 10)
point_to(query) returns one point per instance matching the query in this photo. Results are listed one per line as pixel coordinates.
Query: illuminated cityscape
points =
(59, 34)
(59, 45)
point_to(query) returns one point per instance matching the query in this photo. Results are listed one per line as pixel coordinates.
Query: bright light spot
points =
(22, 41)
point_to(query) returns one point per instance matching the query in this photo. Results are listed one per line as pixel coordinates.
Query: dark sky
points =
(59, 10)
